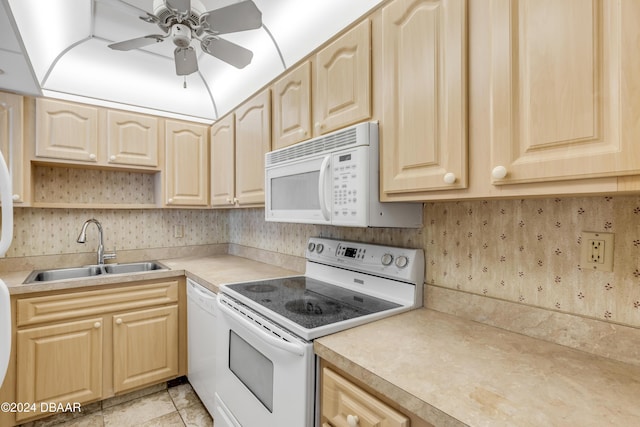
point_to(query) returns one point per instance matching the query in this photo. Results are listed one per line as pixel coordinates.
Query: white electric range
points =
(265, 364)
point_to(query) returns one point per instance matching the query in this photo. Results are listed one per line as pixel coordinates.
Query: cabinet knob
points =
(170, 201)
(92, 156)
(499, 172)
(235, 200)
(113, 158)
(353, 420)
(15, 197)
(319, 126)
(118, 321)
(302, 132)
(97, 325)
(449, 177)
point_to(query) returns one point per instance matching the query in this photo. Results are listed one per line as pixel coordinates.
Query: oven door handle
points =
(297, 349)
(326, 213)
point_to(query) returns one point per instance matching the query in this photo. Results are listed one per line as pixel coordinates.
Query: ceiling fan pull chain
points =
(184, 85)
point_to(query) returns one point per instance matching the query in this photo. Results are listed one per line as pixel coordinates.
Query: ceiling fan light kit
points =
(185, 20)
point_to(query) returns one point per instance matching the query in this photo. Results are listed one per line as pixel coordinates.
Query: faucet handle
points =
(109, 255)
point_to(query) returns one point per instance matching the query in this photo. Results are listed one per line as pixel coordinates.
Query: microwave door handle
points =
(326, 213)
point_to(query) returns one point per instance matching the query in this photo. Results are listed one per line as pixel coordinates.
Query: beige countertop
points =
(210, 271)
(452, 372)
(213, 271)
(447, 370)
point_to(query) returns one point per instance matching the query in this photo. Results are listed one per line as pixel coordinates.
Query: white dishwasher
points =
(201, 326)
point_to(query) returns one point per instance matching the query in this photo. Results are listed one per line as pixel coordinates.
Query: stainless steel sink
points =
(133, 267)
(92, 271)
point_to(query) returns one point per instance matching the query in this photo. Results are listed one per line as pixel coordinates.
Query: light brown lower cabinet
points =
(345, 404)
(145, 347)
(85, 346)
(59, 363)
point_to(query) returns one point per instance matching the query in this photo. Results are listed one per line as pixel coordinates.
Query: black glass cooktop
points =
(309, 302)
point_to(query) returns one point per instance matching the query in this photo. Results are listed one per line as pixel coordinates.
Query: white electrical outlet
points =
(178, 231)
(597, 251)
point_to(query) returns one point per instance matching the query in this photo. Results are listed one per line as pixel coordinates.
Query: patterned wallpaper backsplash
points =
(75, 185)
(523, 251)
(54, 231)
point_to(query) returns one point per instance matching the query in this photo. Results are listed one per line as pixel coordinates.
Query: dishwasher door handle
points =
(258, 332)
(203, 294)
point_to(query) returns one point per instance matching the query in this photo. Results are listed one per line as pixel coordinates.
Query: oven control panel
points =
(388, 261)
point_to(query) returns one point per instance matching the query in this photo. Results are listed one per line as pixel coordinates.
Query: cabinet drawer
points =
(344, 403)
(88, 303)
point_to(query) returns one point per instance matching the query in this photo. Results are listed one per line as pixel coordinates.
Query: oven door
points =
(265, 374)
(299, 191)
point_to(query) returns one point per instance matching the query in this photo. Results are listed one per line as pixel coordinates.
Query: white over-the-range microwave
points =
(333, 179)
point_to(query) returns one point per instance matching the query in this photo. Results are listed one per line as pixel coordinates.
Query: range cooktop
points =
(309, 302)
(346, 284)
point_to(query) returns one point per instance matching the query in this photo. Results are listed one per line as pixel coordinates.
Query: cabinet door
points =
(186, 172)
(11, 143)
(223, 162)
(344, 404)
(59, 363)
(132, 139)
(423, 141)
(253, 141)
(66, 131)
(564, 89)
(145, 347)
(292, 107)
(342, 89)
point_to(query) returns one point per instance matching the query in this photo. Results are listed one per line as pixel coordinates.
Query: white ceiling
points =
(60, 46)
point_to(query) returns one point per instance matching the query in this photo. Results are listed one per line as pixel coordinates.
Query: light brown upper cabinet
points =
(421, 56)
(292, 107)
(253, 141)
(333, 88)
(223, 162)
(66, 131)
(12, 144)
(132, 139)
(186, 172)
(78, 133)
(342, 81)
(565, 85)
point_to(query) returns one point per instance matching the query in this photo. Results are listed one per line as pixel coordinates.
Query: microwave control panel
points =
(349, 188)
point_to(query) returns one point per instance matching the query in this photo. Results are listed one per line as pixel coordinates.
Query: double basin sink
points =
(38, 276)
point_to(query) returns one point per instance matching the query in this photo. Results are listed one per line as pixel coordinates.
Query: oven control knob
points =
(387, 259)
(311, 246)
(319, 248)
(402, 261)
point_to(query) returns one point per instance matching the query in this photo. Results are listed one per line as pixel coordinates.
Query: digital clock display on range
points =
(350, 252)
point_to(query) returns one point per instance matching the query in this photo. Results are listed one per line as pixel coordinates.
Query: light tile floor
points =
(158, 406)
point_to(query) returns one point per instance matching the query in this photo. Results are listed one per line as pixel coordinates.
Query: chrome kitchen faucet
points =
(82, 238)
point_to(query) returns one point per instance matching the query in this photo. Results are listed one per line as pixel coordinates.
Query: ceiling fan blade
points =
(228, 52)
(235, 17)
(186, 61)
(137, 43)
(181, 7)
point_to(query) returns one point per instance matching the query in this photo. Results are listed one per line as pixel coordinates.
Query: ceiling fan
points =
(185, 20)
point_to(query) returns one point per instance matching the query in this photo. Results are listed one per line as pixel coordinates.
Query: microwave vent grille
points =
(318, 145)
